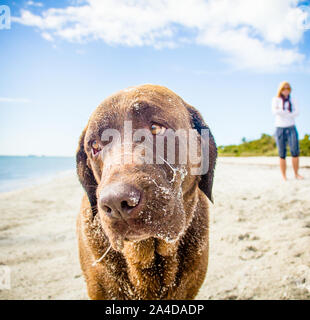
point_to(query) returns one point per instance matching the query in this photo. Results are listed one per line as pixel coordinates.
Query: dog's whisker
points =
(174, 170)
(102, 257)
(154, 182)
(170, 166)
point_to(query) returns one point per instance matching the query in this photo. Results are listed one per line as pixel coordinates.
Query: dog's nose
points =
(120, 200)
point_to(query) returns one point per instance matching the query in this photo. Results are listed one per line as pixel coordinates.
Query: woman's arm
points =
(295, 111)
(277, 108)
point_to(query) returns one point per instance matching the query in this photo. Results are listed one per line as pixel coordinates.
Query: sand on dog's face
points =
(259, 236)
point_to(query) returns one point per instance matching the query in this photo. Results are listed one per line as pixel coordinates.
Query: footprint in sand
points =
(250, 252)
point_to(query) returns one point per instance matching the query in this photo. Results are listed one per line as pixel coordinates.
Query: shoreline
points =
(255, 160)
(304, 162)
(21, 184)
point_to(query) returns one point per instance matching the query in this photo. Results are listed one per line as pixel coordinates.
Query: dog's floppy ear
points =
(85, 174)
(206, 182)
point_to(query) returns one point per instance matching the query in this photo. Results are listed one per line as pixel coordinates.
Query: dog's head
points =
(135, 162)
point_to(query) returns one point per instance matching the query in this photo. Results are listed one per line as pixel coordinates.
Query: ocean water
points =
(17, 172)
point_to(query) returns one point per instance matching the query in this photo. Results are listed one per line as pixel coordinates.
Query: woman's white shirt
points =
(283, 117)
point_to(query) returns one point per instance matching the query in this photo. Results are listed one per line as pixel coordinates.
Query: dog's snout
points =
(120, 200)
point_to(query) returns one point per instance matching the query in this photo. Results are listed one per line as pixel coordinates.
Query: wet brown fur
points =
(152, 268)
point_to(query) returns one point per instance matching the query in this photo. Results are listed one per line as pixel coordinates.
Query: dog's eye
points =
(96, 147)
(157, 129)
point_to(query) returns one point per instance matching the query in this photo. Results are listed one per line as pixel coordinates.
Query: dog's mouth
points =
(130, 230)
(117, 240)
(118, 237)
(156, 211)
(136, 230)
(136, 237)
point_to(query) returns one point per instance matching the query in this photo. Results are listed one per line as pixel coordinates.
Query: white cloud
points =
(14, 100)
(47, 36)
(34, 4)
(249, 52)
(250, 32)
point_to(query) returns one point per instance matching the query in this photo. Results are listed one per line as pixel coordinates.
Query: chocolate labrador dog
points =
(143, 224)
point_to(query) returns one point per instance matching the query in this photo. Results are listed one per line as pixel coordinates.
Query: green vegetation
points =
(265, 146)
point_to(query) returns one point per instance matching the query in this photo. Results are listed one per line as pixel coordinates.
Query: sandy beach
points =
(259, 235)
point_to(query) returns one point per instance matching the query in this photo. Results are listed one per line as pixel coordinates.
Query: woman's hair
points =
(281, 86)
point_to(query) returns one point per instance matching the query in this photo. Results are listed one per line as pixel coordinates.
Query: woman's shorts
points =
(286, 136)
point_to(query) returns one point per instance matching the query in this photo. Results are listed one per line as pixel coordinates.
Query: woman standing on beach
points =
(285, 110)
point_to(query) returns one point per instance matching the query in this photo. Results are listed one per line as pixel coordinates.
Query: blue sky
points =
(60, 59)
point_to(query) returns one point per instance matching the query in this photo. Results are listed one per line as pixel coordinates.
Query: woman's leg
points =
(283, 168)
(294, 147)
(281, 144)
(295, 163)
